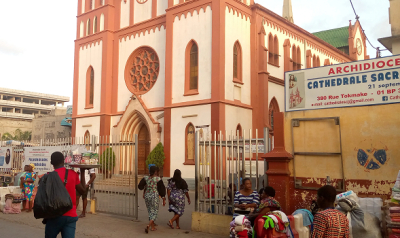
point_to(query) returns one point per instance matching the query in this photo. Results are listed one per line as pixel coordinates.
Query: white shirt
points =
(87, 175)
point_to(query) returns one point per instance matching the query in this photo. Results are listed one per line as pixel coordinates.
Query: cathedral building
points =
(164, 69)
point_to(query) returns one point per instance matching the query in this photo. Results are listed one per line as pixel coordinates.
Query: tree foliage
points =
(156, 156)
(107, 159)
(18, 135)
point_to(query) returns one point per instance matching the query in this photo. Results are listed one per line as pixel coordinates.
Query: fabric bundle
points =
(396, 190)
(363, 224)
(274, 220)
(308, 218)
(11, 208)
(240, 227)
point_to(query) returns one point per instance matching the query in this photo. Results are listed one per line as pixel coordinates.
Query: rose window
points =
(141, 71)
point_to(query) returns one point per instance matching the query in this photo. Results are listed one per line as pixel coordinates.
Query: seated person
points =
(246, 199)
(268, 203)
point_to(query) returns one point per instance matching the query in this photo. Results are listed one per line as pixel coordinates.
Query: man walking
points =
(90, 176)
(329, 223)
(66, 224)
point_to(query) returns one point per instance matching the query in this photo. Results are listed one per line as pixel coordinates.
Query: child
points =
(28, 183)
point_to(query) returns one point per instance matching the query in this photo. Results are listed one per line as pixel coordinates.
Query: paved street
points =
(104, 225)
(25, 225)
(114, 203)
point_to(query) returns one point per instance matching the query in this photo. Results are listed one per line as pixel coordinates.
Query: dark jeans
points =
(65, 225)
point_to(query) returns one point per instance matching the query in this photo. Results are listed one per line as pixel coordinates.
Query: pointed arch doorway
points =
(136, 124)
(143, 149)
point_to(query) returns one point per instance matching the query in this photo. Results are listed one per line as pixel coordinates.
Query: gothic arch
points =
(273, 108)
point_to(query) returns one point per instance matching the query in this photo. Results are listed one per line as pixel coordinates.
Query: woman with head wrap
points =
(28, 183)
(154, 188)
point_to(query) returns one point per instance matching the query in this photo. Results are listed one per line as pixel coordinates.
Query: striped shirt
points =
(330, 223)
(253, 198)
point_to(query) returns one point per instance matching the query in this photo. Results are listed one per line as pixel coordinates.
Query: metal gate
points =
(115, 187)
(222, 162)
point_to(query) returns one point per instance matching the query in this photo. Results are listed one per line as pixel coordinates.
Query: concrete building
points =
(52, 126)
(164, 68)
(392, 43)
(18, 108)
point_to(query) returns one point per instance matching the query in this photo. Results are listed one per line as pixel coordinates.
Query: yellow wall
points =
(367, 128)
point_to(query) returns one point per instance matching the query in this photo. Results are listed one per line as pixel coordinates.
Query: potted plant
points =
(107, 162)
(156, 157)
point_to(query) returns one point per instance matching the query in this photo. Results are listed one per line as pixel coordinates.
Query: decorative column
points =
(278, 164)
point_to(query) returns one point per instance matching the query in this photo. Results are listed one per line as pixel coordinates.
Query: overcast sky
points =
(37, 37)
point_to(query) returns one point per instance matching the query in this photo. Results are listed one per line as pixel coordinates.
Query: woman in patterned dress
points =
(28, 183)
(153, 189)
(177, 189)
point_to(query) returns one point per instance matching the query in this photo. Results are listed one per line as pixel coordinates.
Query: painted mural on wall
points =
(372, 158)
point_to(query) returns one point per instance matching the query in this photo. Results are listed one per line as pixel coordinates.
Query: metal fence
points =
(115, 187)
(222, 162)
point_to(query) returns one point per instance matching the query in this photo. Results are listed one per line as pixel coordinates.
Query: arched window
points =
(192, 69)
(318, 62)
(287, 64)
(271, 50)
(87, 140)
(314, 61)
(239, 131)
(294, 57)
(81, 29)
(276, 51)
(189, 144)
(89, 88)
(92, 4)
(83, 6)
(298, 59)
(237, 63)
(95, 25)
(273, 108)
(102, 2)
(88, 27)
(327, 62)
(102, 22)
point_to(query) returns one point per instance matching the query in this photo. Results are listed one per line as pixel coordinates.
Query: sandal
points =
(178, 227)
(147, 229)
(153, 229)
(170, 224)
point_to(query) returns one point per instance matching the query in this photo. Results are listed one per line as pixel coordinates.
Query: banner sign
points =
(41, 156)
(359, 83)
(5, 157)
